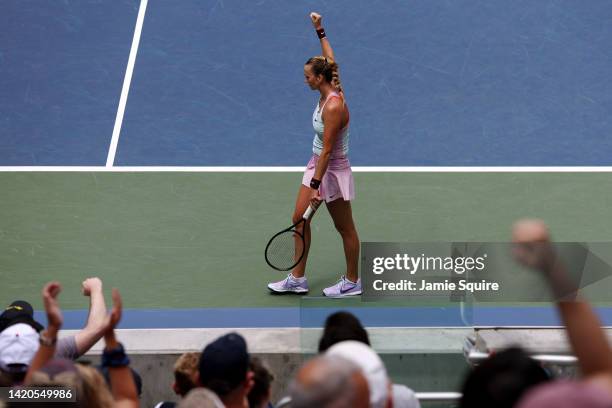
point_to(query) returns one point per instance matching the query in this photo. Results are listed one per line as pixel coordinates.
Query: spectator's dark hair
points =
(263, 381)
(502, 379)
(10, 379)
(137, 378)
(342, 326)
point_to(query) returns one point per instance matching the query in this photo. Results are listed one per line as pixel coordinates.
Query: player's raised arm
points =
(326, 48)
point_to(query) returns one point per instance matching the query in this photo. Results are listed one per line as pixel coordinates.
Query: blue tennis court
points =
(466, 83)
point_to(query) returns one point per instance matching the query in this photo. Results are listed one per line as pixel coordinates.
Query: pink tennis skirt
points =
(337, 181)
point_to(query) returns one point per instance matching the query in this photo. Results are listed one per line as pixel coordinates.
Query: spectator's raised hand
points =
(90, 285)
(532, 246)
(113, 319)
(93, 330)
(54, 313)
(114, 356)
(48, 338)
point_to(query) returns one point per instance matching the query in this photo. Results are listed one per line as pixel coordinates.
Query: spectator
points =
(186, 373)
(185, 377)
(259, 396)
(18, 344)
(105, 371)
(19, 311)
(122, 384)
(15, 359)
(568, 394)
(329, 382)
(587, 339)
(501, 380)
(341, 326)
(200, 398)
(89, 387)
(224, 369)
(372, 368)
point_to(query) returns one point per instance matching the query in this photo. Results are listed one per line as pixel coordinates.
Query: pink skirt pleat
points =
(337, 181)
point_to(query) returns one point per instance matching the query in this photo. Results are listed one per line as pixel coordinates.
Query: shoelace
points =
(291, 281)
(346, 281)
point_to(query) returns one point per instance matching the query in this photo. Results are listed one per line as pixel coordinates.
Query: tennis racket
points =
(286, 248)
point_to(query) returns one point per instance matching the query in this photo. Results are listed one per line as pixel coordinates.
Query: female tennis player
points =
(328, 176)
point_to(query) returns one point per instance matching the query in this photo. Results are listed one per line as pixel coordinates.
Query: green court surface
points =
(193, 240)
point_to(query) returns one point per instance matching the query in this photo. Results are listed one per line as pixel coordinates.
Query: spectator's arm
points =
(121, 379)
(94, 329)
(588, 340)
(48, 337)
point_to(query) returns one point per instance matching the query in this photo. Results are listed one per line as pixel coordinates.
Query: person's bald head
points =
(329, 382)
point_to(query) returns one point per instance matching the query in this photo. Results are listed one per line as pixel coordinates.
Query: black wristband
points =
(115, 357)
(314, 183)
(321, 33)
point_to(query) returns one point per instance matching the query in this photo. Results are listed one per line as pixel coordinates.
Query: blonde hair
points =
(89, 385)
(328, 68)
(186, 371)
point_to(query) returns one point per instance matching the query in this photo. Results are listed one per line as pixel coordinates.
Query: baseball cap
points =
(18, 344)
(19, 311)
(371, 365)
(224, 363)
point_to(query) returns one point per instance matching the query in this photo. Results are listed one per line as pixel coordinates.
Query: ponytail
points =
(328, 68)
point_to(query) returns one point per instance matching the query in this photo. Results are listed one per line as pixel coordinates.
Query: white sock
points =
(302, 279)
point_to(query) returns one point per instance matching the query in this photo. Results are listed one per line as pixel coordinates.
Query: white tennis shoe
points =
(343, 288)
(289, 285)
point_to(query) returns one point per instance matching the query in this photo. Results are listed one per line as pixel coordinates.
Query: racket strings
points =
(285, 250)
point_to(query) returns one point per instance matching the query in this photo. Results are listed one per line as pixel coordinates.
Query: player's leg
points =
(295, 282)
(301, 204)
(342, 214)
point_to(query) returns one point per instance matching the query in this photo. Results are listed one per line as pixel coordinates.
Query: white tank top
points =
(341, 148)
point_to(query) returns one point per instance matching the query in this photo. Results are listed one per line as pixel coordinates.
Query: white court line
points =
(110, 160)
(297, 169)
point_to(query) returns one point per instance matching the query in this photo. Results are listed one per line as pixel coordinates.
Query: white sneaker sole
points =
(300, 290)
(341, 295)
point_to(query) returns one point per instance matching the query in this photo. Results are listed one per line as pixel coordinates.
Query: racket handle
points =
(308, 213)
